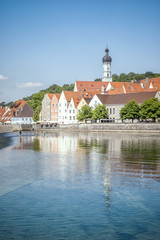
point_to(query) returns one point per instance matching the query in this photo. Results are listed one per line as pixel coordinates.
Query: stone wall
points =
(15, 127)
(144, 127)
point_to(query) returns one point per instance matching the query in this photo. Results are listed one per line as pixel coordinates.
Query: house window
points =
(110, 110)
(73, 111)
(66, 110)
(65, 117)
(53, 104)
(70, 118)
(95, 102)
(73, 117)
(69, 111)
(113, 110)
(60, 105)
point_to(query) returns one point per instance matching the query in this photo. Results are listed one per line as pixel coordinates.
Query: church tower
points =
(107, 67)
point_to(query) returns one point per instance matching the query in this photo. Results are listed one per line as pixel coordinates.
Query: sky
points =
(45, 42)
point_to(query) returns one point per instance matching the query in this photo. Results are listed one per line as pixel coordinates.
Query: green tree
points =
(130, 111)
(36, 113)
(85, 113)
(115, 78)
(98, 80)
(36, 100)
(149, 74)
(150, 109)
(100, 112)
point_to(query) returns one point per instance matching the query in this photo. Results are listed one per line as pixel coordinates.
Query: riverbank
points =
(102, 127)
(99, 127)
(15, 128)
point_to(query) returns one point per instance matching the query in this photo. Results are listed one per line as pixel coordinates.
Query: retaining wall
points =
(15, 127)
(138, 127)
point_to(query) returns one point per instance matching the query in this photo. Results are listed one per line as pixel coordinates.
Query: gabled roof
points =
(147, 81)
(57, 95)
(2, 111)
(70, 94)
(8, 114)
(77, 95)
(76, 101)
(26, 111)
(50, 95)
(125, 98)
(87, 100)
(18, 104)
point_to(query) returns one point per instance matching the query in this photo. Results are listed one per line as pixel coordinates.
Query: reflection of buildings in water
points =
(58, 143)
(25, 142)
(138, 153)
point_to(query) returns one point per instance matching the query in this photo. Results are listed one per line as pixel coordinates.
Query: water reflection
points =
(88, 157)
(81, 186)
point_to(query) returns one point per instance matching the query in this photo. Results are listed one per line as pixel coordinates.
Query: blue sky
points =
(43, 42)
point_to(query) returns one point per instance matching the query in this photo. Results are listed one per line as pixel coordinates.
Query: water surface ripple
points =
(80, 186)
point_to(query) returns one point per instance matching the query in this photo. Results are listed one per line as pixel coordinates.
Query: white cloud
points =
(28, 85)
(2, 77)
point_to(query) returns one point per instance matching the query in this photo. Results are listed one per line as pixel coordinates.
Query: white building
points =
(45, 114)
(67, 107)
(114, 103)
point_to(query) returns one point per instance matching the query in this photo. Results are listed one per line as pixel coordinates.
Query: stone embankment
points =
(15, 127)
(99, 127)
(106, 127)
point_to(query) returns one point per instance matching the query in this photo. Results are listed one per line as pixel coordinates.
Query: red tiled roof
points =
(8, 114)
(50, 95)
(90, 86)
(76, 101)
(2, 111)
(18, 104)
(57, 95)
(133, 87)
(78, 95)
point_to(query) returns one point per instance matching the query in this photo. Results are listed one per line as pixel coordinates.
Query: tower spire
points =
(107, 67)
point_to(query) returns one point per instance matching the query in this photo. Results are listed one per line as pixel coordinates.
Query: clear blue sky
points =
(43, 42)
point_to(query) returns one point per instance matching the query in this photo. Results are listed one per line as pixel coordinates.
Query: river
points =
(80, 186)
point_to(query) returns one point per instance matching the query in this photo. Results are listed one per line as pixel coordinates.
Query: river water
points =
(80, 186)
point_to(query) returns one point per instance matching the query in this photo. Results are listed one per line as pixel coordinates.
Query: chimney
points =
(147, 79)
(102, 90)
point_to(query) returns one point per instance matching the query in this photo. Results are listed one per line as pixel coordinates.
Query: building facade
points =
(46, 107)
(54, 108)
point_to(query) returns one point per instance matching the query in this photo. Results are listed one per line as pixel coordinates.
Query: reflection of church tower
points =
(107, 67)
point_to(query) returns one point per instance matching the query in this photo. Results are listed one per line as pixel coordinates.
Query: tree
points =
(36, 113)
(115, 77)
(85, 113)
(150, 109)
(98, 80)
(130, 111)
(100, 112)
(36, 100)
(149, 74)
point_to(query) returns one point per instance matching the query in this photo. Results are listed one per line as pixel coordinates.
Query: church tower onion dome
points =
(107, 58)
